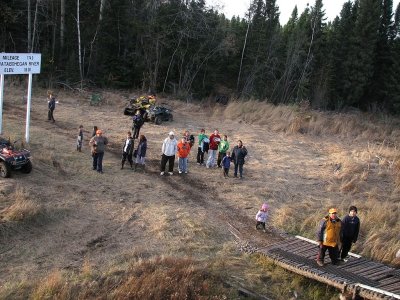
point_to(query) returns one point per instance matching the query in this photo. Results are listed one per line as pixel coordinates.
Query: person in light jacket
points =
(168, 149)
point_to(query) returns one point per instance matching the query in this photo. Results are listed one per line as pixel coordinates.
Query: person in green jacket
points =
(200, 150)
(222, 148)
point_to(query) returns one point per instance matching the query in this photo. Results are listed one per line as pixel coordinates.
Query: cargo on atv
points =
(12, 159)
(148, 109)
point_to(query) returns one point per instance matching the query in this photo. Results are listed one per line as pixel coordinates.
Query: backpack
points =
(206, 145)
(191, 140)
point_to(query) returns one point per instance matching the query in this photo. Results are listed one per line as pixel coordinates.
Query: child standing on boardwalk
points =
(262, 216)
(226, 164)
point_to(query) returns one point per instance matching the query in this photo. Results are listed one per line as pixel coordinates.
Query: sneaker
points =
(199, 164)
(180, 172)
(162, 173)
(170, 173)
(186, 172)
(264, 230)
(320, 263)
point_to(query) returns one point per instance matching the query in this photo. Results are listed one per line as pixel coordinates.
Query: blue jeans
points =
(183, 164)
(240, 167)
(212, 154)
(98, 161)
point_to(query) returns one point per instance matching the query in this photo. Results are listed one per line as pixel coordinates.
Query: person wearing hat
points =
(98, 144)
(349, 231)
(328, 237)
(168, 149)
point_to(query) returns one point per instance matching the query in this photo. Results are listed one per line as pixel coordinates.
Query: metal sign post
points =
(19, 63)
(1, 100)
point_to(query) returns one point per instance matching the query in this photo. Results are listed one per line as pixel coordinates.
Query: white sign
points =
(20, 63)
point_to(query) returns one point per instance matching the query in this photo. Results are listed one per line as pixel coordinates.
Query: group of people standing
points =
(216, 148)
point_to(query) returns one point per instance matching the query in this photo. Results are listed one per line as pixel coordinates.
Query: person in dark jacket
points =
(79, 139)
(349, 231)
(239, 152)
(127, 150)
(52, 106)
(141, 152)
(328, 236)
(137, 123)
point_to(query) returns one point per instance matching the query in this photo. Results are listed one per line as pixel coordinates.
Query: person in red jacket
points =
(183, 153)
(215, 139)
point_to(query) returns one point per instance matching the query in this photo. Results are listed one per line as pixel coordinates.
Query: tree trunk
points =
(244, 47)
(29, 26)
(79, 43)
(62, 24)
(102, 4)
(34, 26)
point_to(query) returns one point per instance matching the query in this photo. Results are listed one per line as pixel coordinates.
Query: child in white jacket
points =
(262, 216)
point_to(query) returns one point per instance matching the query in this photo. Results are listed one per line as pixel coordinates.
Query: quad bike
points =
(147, 107)
(12, 159)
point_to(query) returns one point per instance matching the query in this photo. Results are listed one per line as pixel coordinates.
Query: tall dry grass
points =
(299, 119)
(155, 278)
(21, 208)
(364, 151)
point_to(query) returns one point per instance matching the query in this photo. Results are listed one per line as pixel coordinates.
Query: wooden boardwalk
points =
(368, 279)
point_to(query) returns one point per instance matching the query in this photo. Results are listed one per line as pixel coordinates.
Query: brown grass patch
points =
(22, 208)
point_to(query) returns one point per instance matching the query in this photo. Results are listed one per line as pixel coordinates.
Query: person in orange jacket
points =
(183, 153)
(328, 237)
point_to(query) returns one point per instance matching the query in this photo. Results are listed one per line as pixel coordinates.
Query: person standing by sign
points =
(52, 106)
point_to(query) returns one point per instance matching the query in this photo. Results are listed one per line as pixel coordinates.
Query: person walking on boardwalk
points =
(328, 236)
(127, 150)
(168, 149)
(349, 231)
(98, 143)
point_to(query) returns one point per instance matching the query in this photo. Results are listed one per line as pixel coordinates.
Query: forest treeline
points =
(185, 48)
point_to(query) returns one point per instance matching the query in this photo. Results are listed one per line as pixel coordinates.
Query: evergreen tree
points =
(361, 64)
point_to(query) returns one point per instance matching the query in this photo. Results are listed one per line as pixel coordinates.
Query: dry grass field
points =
(67, 232)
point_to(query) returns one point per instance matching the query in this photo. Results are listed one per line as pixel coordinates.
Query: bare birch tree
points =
(79, 43)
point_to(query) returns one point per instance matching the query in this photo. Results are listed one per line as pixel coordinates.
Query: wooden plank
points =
(365, 268)
(389, 280)
(349, 265)
(371, 272)
(381, 275)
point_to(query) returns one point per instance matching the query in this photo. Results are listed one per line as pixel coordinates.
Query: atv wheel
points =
(4, 170)
(27, 168)
(157, 120)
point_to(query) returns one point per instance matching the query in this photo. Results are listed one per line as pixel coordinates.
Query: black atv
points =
(149, 111)
(12, 159)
